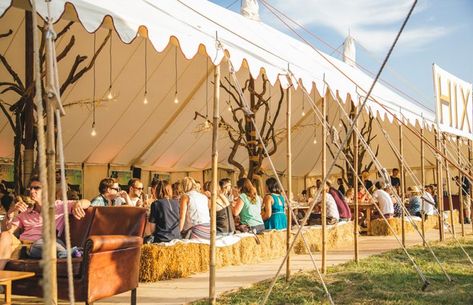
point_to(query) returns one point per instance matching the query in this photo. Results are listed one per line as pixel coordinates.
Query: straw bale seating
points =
(380, 228)
(181, 258)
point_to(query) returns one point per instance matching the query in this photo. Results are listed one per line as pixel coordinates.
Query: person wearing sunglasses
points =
(135, 193)
(110, 194)
(27, 220)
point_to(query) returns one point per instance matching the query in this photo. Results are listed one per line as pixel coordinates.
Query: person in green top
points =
(248, 205)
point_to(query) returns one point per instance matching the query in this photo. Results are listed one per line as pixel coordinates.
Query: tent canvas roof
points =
(162, 135)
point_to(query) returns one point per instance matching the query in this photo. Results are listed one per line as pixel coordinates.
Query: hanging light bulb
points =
(176, 99)
(229, 108)
(93, 133)
(315, 141)
(303, 113)
(206, 124)
(110, 94)
(340, 124)
(145, 98)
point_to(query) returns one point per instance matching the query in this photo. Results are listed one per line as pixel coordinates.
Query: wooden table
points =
(7, 277)
(367, 207)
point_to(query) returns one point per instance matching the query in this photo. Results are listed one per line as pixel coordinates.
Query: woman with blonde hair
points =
(248, 206)
(194, 213)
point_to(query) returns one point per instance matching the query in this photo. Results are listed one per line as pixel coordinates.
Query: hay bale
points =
(160, 262)
(380, 228)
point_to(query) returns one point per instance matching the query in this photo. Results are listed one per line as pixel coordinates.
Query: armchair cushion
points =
(105, 243)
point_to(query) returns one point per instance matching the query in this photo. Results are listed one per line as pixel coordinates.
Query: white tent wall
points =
(92, 174)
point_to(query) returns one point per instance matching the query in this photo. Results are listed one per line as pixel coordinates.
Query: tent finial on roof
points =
(250, 9)
(349, 50)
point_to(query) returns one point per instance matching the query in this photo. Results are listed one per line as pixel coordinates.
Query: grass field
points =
(387, 278)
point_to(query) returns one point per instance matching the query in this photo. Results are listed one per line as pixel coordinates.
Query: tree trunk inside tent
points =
(240, 128)
(17, 161)
(20, 113)
(366, 132)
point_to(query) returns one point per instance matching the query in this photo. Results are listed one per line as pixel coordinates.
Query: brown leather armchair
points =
(112, 239)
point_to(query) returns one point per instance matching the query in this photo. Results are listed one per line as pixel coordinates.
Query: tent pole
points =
(422, 179)
(355, 186)
(439, 186)
(48, 275)
(51, 163)
(323, 215)
(213, 206)
(403, 184)
(449, 190)
(289, 181)
(460, 192)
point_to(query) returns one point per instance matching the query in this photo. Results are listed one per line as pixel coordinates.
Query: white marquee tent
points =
(161, 136)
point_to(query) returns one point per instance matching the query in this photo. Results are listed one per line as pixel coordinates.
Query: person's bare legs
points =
(6, 239)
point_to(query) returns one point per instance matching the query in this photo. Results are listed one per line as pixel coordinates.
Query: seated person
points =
(225, 220)
(349, 195)
(415, 202)
(194, 220)
(273, 207)
(343, 208)
(341, 187)
(29, 222)
(110, 194)
(332, 210)
(135, 191)
(363, 195)
(392, 192)
(226, 188)
(164, 215)
(384, 200)
(365, 176)
(428, 202)
(248, 206)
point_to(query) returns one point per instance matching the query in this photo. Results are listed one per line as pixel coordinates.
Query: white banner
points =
(454, 103)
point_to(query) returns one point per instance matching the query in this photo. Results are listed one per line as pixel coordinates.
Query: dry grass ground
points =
(385, 279)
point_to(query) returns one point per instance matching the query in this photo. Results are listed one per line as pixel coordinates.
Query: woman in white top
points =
(194, 212)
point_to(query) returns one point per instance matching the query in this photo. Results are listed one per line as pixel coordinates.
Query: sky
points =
(439, 31)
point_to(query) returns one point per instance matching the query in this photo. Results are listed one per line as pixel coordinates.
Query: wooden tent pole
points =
(289, 181)
(460, 188)
(403, 184)
(439, 186)
(48, 275)
(355, 186)
(449, 190)
(422, 179)
(51, 163)
(323, 215)
(213, 205)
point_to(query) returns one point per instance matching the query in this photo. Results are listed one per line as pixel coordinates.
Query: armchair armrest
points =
(102, 243)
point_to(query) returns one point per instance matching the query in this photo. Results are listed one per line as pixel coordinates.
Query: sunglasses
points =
(115, 188)
(138, 188)
(35, 187)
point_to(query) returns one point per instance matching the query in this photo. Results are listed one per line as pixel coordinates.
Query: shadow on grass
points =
(388, 278)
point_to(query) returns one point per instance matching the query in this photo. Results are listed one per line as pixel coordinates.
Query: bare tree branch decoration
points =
(366, 133)
(240, 129)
